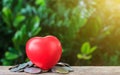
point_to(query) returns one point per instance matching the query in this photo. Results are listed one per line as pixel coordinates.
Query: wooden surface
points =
(81, 70)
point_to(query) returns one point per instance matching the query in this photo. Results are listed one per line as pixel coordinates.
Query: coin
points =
(59, 69)
(33, 70)
(30, 64)
(68, 68)
(19, 68)
(45, 71)
(62, 64)
(13, 69)
(29, 67)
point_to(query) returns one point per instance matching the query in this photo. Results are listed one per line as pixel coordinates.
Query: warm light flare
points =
(113, 5)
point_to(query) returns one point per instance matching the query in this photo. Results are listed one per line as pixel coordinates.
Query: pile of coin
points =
(29, 67)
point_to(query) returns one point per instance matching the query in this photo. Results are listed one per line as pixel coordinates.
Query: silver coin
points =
(22, 66)
(14, 69)
(68, 68)
(59, 69)
(33, 70)
(29, 64)
(45, 71)
(18, 68)
(62, 64)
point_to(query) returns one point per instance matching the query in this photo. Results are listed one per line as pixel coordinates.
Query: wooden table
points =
(78, 70)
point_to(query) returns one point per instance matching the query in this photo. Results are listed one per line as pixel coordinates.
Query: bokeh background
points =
(89, 30)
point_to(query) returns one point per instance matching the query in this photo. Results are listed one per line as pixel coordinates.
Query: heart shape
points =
(44, 52)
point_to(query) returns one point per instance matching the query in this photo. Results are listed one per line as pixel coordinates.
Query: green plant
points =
(86, 51)
(22, 26)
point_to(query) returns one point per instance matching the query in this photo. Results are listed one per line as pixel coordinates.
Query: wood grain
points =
(78, 70)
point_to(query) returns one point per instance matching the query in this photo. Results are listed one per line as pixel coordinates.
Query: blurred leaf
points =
(35, 21)
(23, 30)
(6, 12)
(40, 2)
(79, 56)
(20, 35)
(87, 57)
(18, 20)
(85, 49)
(17, 37)
(10, 56)
(35, 29)
(92, 49)
(27, 10)
(24, 34)
(7, 16)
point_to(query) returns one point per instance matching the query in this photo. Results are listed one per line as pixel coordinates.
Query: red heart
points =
(44, 52)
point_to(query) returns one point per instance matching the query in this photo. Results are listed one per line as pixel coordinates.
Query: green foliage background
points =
(87, 31)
